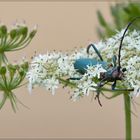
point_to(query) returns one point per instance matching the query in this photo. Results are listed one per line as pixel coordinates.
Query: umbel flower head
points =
(47, 70)
(53, 69)
(15, 39)
(130, 57)
(11, 77)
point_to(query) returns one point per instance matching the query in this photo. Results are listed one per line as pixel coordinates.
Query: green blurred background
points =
(121, 14)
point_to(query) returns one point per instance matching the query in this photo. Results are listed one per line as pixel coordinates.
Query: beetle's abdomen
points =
(81, 64)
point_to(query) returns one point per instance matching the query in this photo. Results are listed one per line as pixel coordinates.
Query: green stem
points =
(127, 104)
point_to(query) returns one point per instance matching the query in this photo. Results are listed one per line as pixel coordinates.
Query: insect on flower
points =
(114, 71)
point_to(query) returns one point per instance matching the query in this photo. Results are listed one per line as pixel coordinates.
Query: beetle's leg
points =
(114, 85)
(100, 84)
(66, 82)
(98, 98)
(114, 59)
(131, 89)
(95, 49)
(74, 78)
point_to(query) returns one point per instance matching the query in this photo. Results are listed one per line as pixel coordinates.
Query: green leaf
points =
(101, 19)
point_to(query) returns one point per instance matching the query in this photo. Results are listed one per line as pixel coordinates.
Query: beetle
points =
(112, 74)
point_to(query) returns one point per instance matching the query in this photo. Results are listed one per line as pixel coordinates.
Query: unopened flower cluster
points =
(54, 69)
(12, 75)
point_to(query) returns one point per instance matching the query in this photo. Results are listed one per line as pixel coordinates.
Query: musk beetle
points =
(113, 72)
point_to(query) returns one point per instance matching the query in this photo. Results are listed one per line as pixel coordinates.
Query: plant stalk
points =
(128, 126)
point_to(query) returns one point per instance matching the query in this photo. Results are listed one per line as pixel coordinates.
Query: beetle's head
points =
(118, 73)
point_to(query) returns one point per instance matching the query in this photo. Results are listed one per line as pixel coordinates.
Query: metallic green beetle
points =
(113, 72)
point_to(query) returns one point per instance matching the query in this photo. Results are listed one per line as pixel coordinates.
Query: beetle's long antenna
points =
(95, 49)
(120, 47)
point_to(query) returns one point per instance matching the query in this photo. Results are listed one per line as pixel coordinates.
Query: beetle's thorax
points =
(112, 74)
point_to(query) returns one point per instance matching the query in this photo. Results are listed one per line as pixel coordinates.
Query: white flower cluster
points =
(130, 56)
(52, 69)
(45, 70)
(88, 82)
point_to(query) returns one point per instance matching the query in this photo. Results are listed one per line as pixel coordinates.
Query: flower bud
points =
(25, 66)
(3, 30)
(13, 33)
(21, 72)
(11, 68)
(23, 30)
(17, 67)
(33, 32)
(3, 70)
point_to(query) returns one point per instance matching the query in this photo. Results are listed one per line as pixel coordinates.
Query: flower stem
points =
(127, 104)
